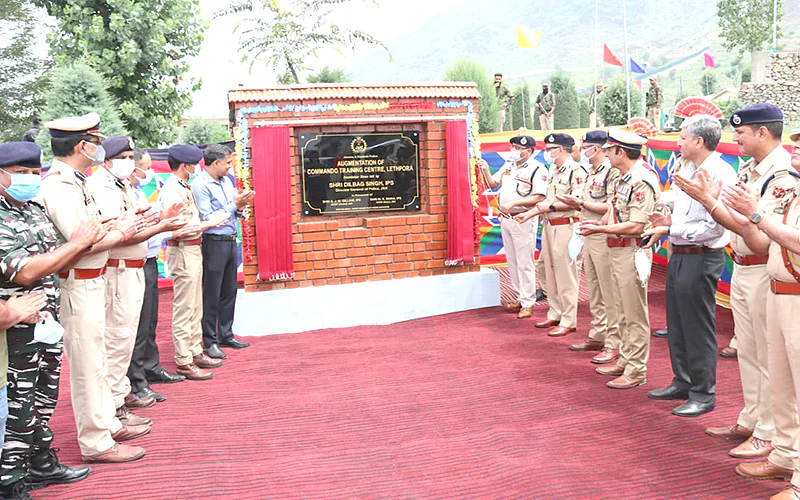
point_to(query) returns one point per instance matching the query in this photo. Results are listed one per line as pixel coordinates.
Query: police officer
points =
(604, 330)
(76, 146)
(562, 274)
(185, 263)
(636, 192)
(546, 103)
(523, 183)
(31, 253)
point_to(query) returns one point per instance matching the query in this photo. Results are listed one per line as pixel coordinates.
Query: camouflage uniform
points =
(33, 368)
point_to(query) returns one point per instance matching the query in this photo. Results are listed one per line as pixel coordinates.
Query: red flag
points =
(638, 84)
(610, 58)
(710, 61)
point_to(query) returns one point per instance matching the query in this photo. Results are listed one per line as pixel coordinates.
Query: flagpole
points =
(627, 60)
(774, 25)
(596, 53)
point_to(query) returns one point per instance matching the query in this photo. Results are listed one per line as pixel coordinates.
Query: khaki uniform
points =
(783, 337)
(562, 278)
(749, 288)
(68, 203)
(598, 187)
(635, 195)
(124, 282)
(185, 263)
(519, 239)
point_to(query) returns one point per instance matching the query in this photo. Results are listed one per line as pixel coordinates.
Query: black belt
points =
(219, 237)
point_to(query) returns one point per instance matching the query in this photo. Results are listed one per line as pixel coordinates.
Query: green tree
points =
(329, 75)
(76, 90)
(520, 115)
(708, 83)
(468, 70)
(287, 35)
(200, 132)
(22, 74)
(584, 110)
(728, 108)
(142, 47)
(567, 114)
(612, 108)
(746, 25)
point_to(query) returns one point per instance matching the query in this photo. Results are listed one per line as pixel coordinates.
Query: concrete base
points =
(369, 303)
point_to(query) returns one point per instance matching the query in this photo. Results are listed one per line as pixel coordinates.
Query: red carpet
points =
(469, 405)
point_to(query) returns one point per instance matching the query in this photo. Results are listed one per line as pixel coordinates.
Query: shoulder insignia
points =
(626, 178)
(81, 177)
(639, 197)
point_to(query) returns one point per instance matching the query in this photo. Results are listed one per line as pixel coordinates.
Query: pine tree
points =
(612, 108)
(567, 108)
(468, 70)
(520, 115)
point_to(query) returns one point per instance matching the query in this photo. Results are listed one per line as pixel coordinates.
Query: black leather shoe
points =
(147, 391)
(233, 342)
(215, 352)
(164, 377)
(46, 470)
(540, 295)
(661, 333)
(669, 392)
(694, 408)
(15, 491)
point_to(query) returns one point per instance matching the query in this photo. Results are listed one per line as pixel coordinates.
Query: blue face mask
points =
(193, 175)
(24, 187)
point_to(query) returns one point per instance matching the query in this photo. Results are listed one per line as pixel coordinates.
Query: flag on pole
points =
(638, 68)
(709, 60)
(638, 84)
(610, 58)
(527, 37)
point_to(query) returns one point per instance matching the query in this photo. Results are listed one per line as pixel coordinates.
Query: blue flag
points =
(638, 68)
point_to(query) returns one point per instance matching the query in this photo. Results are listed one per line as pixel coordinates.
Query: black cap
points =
(117, 145)
(24, 154)
(757, 113)
(559, 139)
(184, 153)
(524, 141)
(595, 137)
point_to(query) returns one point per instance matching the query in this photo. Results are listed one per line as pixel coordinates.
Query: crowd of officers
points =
(603, 209)
(78, 272)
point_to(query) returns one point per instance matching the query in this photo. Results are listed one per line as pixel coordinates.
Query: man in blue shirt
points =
(215, 193)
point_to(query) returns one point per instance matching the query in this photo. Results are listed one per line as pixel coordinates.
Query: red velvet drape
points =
(459, 205)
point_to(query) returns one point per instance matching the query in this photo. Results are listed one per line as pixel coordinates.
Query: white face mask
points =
(643, 265)
(574, 247)
(122, 168)
(586, 158)
(48, 331)
(515, 155)
(148, 176)
(549, 157)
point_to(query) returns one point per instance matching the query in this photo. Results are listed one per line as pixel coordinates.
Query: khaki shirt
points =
(569, 178)
(517, 182)
(755, 176)
(598, 187)
(635, 196)
(176, 190)
(116, 198)
(68, 203)
(787, 208)
(3, 359)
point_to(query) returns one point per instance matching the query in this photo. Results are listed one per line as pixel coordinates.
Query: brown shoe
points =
(752, 448)
(193, 372)
(733, 433)
(728, 352)
(512, 307)
(116, 454)
(587, 345)
(790, 493)
(560, 331)
(625, 382)
(204, 361)
(134, 402)
(611, 371)
(546, 324)
(128, 432)
(606, 356)
(763, 470)
(525, 312)
(127, 418)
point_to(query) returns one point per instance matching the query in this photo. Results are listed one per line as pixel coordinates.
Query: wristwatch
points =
(552, 207)
(757, 216)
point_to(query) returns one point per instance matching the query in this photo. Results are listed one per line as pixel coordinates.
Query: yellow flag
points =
(527, 37)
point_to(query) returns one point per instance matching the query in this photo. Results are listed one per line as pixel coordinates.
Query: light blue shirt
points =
(214, 196)
(156, 242)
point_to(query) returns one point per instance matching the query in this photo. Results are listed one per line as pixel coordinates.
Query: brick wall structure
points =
(354, 248)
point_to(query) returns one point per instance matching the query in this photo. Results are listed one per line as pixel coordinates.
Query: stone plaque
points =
(359, 173)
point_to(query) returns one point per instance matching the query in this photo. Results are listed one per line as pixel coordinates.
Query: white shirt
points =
(521, 181)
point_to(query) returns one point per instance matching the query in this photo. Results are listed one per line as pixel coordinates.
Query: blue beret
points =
(117, 145)
(559, 139)
(595, 137)
(185, 153)
(24, 154)
(757, 113)
(524, 141)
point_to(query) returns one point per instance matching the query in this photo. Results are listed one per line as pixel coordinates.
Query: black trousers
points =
(691, 320)
(144, 361)
(219, 288)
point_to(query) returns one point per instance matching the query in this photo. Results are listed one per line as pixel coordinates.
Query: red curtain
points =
(273, 202)
(459, 205)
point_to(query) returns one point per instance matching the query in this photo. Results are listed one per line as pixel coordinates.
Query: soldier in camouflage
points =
(31, 253)
(655, 97)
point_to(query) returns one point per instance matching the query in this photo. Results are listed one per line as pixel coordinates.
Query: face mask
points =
(99, 156)
(643, 264)
(48, 331)
(515, 155)
(586, 158)
(549, 157)
(574, 247)
(545, 91)
(148, 176)
(24, 187)
(122, 168)
(193, 175)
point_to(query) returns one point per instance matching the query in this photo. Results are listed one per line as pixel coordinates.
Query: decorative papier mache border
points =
(242, 137)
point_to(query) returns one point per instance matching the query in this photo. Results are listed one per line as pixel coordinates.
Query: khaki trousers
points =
(783, 341)
(541, 278)
(634, 319)
(83, 317)
(654, 115)
(501, 119)
(600, 284)
(749, 289)
(562, 278)
(186, 266)
(546, 122)
(519, 242)
(124, 296)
